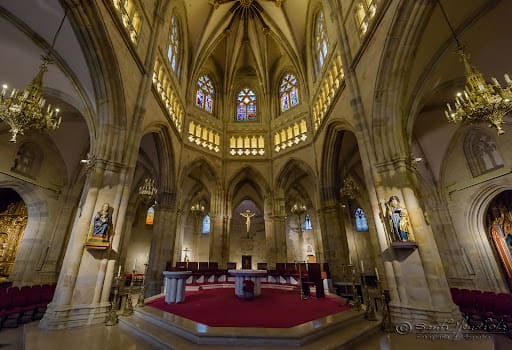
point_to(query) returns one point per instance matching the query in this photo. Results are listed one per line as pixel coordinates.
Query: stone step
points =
(167, 331)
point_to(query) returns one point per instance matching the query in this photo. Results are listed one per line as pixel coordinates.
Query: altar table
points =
(246, 274)
(174, 286)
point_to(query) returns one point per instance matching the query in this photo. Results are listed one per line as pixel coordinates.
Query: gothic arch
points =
(475, 216)
(89, 27)
(330, 164)
(387, 117)
(253, 178)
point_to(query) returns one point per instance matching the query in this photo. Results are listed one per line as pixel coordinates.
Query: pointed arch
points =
(331, 167)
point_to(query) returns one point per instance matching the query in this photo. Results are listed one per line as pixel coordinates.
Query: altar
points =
(246, 274)
(174, 286)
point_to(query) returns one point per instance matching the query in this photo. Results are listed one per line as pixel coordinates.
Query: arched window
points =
(174, 45)
(150, 215)
(307, 223)
(482, 153)
(205, 94)
(206, 224)
(361, 223)
(246, 108)
(320, 40)
(28, 160)
(288, 92)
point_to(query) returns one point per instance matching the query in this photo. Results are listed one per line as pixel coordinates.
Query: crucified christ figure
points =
(248, 215)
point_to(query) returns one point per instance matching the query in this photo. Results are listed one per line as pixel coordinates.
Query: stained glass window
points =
(150, 215)
(206, 224)
(205, 94)
(307, 223)
(288, 92)
(174, 45)
(361, 223)
(321, 42)
(246, 109)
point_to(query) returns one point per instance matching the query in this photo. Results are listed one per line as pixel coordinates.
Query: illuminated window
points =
(206, 224)
(288, 92)
(205, 94)
(321, 42)
(150, 215)
(365, 11)
(307, 223)
(246, 108)
(174, 45)
(361, 223)
(130, 17)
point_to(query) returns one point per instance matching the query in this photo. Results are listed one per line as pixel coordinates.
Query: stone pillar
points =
(334, 239)
(421, 291)
(163, 242)
(217, 232)
(275, 233)
(84, 275)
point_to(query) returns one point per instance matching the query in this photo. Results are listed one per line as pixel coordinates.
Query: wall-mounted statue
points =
(398, 219)
(101, 227)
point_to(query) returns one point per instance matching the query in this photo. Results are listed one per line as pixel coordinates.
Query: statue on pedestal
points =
(100, 229)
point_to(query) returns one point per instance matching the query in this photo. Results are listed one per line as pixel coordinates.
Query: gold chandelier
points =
(27, 109)
(148, 190)
(480, 101)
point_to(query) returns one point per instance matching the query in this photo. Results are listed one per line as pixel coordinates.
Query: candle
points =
(349, 260)
(134, 264)
(119, 271)
(362, 266)
(377, 274)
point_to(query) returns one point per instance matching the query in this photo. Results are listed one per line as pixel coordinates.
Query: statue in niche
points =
(102, 223)
(398, 219)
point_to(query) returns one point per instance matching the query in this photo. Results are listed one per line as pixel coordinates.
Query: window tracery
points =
(361, 222)
(321, 42)
(246, 108)
(288, 92)
(481, 152)
(205, 94)
(173, 52)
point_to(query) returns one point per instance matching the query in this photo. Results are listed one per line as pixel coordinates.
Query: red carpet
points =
(272, 309)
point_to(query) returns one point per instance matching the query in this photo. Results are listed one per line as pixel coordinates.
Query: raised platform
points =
(167, 330)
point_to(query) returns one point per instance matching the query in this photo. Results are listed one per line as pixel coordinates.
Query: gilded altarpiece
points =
(12, 225)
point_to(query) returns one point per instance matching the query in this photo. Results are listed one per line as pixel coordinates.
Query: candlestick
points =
(377, 274)
(119, 271)
(362, 266)
(134, 264)
(349, 260)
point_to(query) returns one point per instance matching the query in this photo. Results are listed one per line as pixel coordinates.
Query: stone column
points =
(417, 275)
(275, 232)
(77, 300)
(334, 239)
(163, 242)
(217, 229)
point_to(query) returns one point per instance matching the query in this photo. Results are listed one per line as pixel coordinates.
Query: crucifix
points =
(248, 215)
(185, 258)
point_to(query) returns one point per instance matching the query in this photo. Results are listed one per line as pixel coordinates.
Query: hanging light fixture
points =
(480, 101)
(349, 188)
(298, 209)
(27, 109)
(148, 190)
